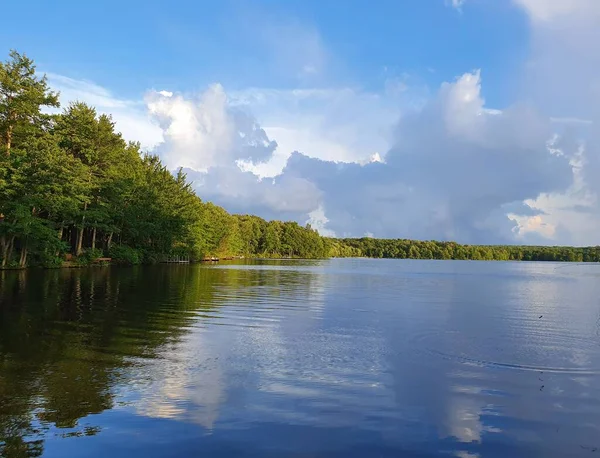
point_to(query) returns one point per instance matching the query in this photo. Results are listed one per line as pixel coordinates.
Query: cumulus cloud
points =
(212, 140)
(318, 221)
(453, 167)
(353, 162)
(562, 79)
(450, 169)
(533, 224)
(198, 134)
(285, 197)
(335, 124)
(233, 161)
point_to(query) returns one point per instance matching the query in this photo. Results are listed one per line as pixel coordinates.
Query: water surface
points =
(337, 358)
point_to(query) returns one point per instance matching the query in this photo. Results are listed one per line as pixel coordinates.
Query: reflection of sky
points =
(185, 382)
(262, 356)
(310, 373)
(427, 355)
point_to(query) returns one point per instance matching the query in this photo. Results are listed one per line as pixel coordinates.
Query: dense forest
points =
(413, 249)
(72, 188)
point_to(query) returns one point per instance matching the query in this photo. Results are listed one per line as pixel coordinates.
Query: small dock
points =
(224, 258)
(186, 260)
(177, 260)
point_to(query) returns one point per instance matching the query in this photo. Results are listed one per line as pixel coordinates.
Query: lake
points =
(332, 358)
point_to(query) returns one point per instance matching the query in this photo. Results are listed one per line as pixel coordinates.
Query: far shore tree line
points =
(415, 249)
(71, 186)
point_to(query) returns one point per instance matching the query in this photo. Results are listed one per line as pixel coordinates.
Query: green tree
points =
(22, 95)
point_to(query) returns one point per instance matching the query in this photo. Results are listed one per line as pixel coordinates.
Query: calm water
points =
(335, 358)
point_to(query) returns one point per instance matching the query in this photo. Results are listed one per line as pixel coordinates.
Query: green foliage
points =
(22, 95)
(122, 254)
(89, 256)
(50, 261)
(414, 249)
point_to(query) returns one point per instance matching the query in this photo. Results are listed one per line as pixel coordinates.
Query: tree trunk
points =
(8, 139)
(7, 250)
(60, 236)
(79, 247)
(23, 260)
(93, 238)
(109, 241)
(11, 245)
(73, 235)
(4, 245)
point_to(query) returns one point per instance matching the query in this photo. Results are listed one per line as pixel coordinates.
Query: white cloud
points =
(217, 143)
(199, 134)
(574, 211)
(549, 10)
(318, 221)
(72, 89)
(336, 124)
(453, 168)
(381, 163)
(208, 136)
(286, 197)
(375, 157)
(572, 121)
(563, 79)
(532, 224)
(464, 106)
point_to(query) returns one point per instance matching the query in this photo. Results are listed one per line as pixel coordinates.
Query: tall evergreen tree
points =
(22, 96)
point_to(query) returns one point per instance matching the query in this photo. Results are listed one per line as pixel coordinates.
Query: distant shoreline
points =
(72, 265)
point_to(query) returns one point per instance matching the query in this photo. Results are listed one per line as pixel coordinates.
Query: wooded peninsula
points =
(72, 188)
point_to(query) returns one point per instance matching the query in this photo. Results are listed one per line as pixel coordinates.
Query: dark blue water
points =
(339, 358)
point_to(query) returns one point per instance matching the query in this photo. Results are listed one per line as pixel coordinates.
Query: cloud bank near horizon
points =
(398, 162)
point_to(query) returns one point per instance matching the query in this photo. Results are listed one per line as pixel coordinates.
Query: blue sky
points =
(132, 45)
(469, 120)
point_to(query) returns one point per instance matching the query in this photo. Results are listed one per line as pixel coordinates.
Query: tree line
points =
(70, 185)
(414, 249)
